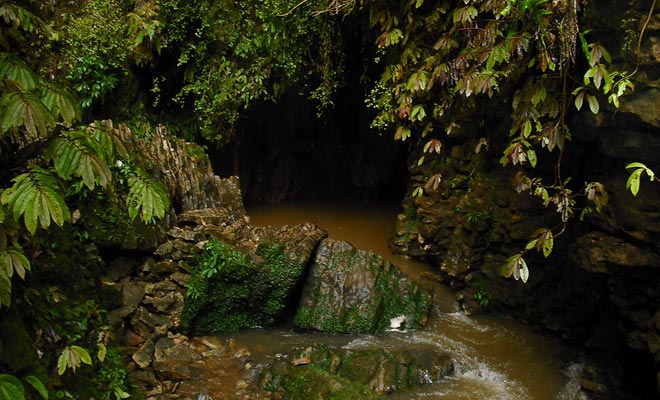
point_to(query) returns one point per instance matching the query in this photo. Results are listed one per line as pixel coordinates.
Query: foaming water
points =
(495, 357)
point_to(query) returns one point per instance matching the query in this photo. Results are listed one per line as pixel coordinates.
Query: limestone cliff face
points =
(601, 286)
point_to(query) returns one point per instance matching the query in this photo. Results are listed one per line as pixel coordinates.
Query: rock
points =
(186, 234)
(599, 252)
(180, 278)
(132, 339)
(120, 268)
(163, 303)
(353, 291)
(253, 289)
(144, 322)
(367, 371)
(145, 354)
(165, 267)
(132, 293)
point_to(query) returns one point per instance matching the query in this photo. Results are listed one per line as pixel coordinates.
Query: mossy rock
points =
(313, 383)
(378, 370)
(354, 291)
(231, 289)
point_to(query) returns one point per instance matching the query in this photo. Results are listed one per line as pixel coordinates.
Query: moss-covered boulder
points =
(319, 372)
(233, 288)
(354, 291)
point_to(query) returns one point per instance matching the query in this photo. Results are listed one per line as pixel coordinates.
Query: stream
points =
(495, 357)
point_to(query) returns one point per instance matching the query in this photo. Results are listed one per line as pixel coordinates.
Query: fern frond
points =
(74, 153)
(16, 70)
(60, 104)
(36, 196)
(107, 141)
(146, 197)
(26, 110)
(12, 259)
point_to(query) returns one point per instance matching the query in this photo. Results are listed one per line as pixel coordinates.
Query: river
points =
(495, 357)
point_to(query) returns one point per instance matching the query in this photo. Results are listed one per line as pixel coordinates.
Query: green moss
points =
(313, 383)
(231, 289)
(389, 298)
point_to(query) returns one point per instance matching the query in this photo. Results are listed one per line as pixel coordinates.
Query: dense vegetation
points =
(197, 67)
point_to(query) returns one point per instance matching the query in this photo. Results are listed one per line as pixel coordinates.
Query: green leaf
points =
(16, 70)
(531, 244)
(62, 362)
(593, 103)
(527, 128)
(74, 154)
(25, 110)
(37, 197)
(548, 243)
(102, 352)
(523, 270)
(402, 133)
(531, 157)
(71, 357)
(146, 197)
(633, 181)
(83, 354)
(13, 259)
(37, 385)
(60, 104)
(579, 100)
(11, 388)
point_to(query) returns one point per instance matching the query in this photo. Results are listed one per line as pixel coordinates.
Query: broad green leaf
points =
(527, 128)
(60, 104)
(11, 388)
(71, 357)
(102, 352)
(633, 181)
(36, 196)
(593, 103)
(402, 133)
(531, 157)
(13, 259)
(62, 362)
(636, 165)
(579, 100)
(83, 354)
(74, 155)
(524, 271)
(37, 385)
(25, 110)
(146, 197)
(120, 394)
(16, 70)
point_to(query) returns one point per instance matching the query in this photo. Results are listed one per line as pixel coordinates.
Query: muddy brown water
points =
(495, 357)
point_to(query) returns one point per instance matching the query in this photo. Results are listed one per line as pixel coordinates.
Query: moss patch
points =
(231, 289)
(353, 291)
(313, 383)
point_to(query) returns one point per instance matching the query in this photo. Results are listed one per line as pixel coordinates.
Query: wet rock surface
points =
(354, 291)
(318, 372)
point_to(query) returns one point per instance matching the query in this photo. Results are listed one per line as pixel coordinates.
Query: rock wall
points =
(600, 288)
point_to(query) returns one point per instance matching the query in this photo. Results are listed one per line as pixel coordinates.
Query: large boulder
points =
(233, 288)
(354, 291)
(319, 372)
